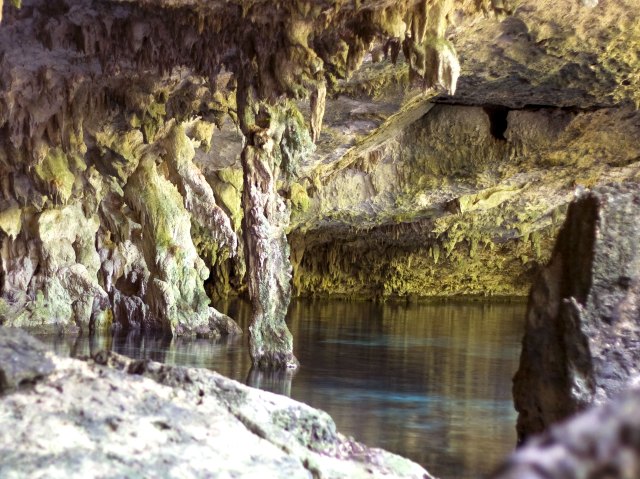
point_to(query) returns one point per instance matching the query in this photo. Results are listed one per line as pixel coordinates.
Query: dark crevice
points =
(498, 119)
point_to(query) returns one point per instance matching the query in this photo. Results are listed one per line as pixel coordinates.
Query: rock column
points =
(266, 216)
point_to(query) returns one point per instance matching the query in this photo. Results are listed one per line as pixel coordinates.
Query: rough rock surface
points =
(538, 110)
(447, 205)
(600, 443)
(114, 417)
(266, 216)
(405, 200)
(101, 106)
(582, 330)
(101, 111)
(23, 360)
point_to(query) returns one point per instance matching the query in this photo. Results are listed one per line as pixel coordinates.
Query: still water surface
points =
(431, 382)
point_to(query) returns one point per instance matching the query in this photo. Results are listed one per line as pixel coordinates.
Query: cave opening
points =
(498, 120)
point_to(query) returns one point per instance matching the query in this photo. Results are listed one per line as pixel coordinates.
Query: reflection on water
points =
(431, 382)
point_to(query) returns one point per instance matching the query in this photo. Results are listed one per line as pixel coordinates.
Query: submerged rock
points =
(583, 329)
(126, 418)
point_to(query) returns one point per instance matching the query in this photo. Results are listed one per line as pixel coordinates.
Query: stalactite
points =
(318, 103)
(82, 79)
(430, 55)
(357, 50)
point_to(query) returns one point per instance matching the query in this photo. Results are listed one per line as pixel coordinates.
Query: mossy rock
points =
(54, 171)
(299, 198)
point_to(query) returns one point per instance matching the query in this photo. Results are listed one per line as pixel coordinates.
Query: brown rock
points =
(601, 443)
(582, 331)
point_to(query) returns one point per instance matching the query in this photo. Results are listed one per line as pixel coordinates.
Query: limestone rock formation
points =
(467, 198)
(139, 418)
(450, 204)
(269, 149)
(102, 135)
(582, 330)
(602, 442)
(131, 125)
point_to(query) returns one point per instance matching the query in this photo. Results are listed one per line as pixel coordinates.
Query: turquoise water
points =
(431, 382)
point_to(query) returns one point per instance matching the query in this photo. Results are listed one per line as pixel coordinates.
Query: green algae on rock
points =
(448, 205)
(477, 181)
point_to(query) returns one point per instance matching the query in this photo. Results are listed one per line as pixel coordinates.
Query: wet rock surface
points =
(113, 417)
(602, 442)
(23, 360)
(582, 330)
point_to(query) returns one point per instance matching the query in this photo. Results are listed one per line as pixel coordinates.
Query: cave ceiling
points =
(105, 80)
(71, 54)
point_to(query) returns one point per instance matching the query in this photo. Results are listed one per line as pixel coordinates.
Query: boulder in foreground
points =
(603, 442)
(114, 417)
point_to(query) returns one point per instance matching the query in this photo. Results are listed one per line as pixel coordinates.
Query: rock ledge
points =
(110, 416)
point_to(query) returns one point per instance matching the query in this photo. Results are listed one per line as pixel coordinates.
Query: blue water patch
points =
(402, 342)
(415, 398)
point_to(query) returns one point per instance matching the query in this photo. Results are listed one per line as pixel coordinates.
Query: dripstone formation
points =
(102, 108)
(156, 154)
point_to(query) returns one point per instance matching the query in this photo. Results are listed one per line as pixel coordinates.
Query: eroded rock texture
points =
(602, 442)
(582, 331)
(107, 112)
(128, 130)
(274, 141)
(123, 418)
(467, 198)
(460, 200)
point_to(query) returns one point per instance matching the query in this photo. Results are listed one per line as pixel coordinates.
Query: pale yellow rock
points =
(487, 199)
(11, 220)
